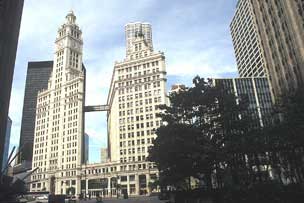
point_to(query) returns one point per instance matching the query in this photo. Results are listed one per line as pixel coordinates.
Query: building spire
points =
(70, 17)
(138, 39)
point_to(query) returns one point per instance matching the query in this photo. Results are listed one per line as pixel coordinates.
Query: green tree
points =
(287, 137)
(208, 133)
(197, 139)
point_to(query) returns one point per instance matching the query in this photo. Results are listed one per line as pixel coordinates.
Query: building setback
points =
(59, 127)
(256, 90)
(38, 74)
(10, 18)
(280, 28)
(138, 86)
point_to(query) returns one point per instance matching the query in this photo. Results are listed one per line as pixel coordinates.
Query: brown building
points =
(10, 18)
(280, 26)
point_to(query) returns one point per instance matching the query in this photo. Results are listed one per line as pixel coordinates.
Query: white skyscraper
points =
(138, 86)
(59, 137)
(247, 42)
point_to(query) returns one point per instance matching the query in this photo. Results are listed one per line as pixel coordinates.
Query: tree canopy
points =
(210, 134)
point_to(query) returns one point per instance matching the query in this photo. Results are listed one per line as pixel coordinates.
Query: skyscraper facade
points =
(59, 129)
(281, 26)
(271, 33)
(256, 91)
(246, 41)
(38, 74)
(10, 18)
(138, 86)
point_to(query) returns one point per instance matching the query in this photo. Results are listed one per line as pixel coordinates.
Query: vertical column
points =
(148, 183)
(86, 187)
(64, 187)
(109, 187)
(137, 184)
(78, 186)
(128, 184)
(56, 186)
(118, 187)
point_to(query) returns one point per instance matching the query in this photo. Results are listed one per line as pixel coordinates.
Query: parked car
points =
(42, 197)
(70, 199)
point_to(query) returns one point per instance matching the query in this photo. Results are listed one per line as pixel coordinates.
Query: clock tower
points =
(59, 125)
(69, 41)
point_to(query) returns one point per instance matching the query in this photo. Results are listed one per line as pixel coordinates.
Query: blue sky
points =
(193, 34)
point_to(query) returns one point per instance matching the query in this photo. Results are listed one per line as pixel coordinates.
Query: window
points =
(132, 178)
(123, 178)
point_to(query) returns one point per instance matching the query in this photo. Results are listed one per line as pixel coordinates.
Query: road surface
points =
(153, 199)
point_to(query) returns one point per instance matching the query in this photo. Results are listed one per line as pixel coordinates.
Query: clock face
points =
(73, 44)
(60, 45)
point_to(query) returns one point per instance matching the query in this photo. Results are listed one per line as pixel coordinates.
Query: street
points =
(140, 199)
(153, 199)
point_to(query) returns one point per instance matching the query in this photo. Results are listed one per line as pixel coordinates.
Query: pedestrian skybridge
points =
(96, 108)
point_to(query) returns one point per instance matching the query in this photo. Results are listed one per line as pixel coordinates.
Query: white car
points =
(43, 197)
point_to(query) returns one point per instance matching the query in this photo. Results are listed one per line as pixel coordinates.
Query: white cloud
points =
(204, 63)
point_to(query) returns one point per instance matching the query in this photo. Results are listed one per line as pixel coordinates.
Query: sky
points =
(193, 34)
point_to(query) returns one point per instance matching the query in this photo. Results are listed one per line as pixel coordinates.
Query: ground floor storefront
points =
(119, 186)
(105, 180)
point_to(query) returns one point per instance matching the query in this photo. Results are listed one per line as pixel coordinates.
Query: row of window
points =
(130, 119)
(74, 32)
(137, 88)
(133, 159)
(136, 81)
(139, 102)
(139, 95)
(123, 135)
(137, 67)
(132, 150)
(139, 74)
(138, 142)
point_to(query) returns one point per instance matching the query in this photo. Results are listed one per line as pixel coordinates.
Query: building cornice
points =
(139, 60)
